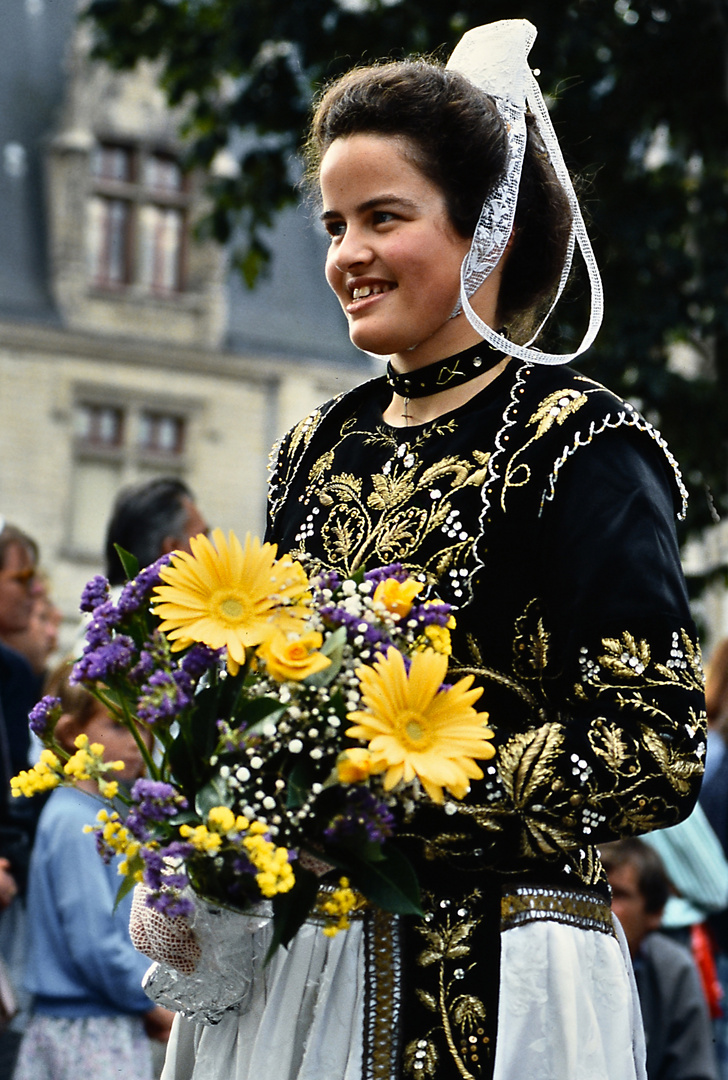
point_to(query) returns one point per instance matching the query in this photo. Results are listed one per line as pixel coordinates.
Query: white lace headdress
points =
(495, 59)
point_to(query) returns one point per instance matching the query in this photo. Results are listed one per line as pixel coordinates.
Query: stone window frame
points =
(137, 194)
(130, 455)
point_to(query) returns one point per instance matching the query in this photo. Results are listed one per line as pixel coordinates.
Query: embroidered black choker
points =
(443, 375)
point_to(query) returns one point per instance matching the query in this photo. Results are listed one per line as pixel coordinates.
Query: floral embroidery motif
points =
(460, 1017)
(612, 773)
(409, 502)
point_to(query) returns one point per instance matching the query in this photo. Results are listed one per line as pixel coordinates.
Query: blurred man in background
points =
(149, 520)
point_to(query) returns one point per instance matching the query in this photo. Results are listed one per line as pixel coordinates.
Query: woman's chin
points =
(379, 343)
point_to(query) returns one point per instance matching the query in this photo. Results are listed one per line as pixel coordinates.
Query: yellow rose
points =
(295, 658)
(354, 765)
(397, 596)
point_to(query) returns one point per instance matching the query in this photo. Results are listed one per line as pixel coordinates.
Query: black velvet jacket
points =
(543, 510)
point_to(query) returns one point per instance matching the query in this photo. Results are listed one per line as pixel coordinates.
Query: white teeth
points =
(367, 290)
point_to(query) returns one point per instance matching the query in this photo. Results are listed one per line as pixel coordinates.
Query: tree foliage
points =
(639, 96)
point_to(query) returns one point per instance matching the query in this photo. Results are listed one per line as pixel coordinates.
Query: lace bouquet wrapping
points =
(296, 722)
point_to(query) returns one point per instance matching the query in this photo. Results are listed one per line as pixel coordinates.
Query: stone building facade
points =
(127, 348)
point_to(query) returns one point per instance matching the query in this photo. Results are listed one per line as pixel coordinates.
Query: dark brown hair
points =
(459, 143)
(652, 881)
(11, 535)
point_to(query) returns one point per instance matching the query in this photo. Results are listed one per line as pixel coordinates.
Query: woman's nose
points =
(353, 250)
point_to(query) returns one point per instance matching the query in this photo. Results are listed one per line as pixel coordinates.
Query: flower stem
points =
(131, 723)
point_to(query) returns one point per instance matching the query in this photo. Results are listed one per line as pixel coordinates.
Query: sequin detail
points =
(532, 903)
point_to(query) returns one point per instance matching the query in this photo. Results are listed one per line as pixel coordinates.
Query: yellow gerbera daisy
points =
(416, 729)
(224, 594)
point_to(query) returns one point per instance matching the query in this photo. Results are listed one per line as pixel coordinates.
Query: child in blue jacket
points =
(90, 1017)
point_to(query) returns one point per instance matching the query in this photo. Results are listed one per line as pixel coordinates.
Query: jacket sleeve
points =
(608, 659)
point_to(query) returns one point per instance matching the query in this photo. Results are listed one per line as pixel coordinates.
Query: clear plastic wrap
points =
(233, 946)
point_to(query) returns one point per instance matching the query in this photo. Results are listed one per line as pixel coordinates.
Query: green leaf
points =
(189, 754)
(254, 713)
(127, 884)
(215, 793)
(291, 909)
(128, 561)
(299, 783)
(390, 882)
(333, 647)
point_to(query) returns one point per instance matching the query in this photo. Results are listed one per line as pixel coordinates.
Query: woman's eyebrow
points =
(372, 204)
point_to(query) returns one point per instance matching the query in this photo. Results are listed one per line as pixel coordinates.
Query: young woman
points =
(541, 506)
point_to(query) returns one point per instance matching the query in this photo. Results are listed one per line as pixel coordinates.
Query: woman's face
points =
(394, 257)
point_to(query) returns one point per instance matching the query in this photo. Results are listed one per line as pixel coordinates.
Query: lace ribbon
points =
(494, 58)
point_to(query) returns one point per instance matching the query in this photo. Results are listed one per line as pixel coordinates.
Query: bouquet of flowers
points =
(297, 722)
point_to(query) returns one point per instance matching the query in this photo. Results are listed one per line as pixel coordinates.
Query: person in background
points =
(39, 640)
(714, 801)
(674, 1011)
(18, 686)
(149, 520)
(19, 691)
(90, 1016)
(697, 869)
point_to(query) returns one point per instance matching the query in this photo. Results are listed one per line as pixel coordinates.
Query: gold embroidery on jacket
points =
(446, 931)
(409, 501)
(601, 769)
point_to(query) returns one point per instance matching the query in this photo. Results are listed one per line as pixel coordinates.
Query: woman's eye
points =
(335, 228)
(383, 217)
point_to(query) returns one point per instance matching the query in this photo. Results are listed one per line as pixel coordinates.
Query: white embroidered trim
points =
(629, 417)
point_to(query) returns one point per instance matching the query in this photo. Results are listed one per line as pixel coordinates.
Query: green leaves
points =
(333, 647)
(129, 562)
(388, 881)
(291, 909)
(214, 793)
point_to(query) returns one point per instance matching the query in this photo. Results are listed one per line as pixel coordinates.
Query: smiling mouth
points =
(369, 290)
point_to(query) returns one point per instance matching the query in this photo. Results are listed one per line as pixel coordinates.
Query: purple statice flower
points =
(143, 667)
(163, 696)
(101, 663)
(230, 738)
(354, 624)
(136, 593)
(329, 579)
(95, 593)
(170, 903)
(101, 625)
(199, 659)
(240, 888)
(154, 654)
(106, 852)
(363, 812)
(435, 613)
(44, 716)
(382, 573)
(165, 865)
(243, 865)
(153, 801)
(166, 877)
